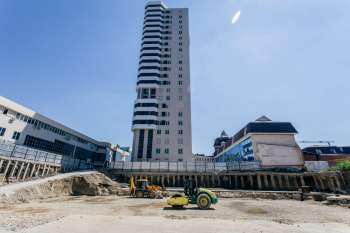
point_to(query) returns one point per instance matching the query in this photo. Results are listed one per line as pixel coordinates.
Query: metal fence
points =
(196, 167)
(23, 152)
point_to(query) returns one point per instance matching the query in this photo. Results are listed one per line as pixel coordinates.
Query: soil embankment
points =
(70, 184)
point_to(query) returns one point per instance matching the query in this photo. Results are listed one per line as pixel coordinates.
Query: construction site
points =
(91, 201)
(47, 192)
(258, 178)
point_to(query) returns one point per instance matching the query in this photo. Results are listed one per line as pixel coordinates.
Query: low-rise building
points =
(23, 126)
(202, 158)
(270, 142)
(331, 154)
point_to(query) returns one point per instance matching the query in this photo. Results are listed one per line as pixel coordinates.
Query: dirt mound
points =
(90, 184)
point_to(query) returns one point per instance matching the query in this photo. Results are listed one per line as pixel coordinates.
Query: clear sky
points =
(76, 62)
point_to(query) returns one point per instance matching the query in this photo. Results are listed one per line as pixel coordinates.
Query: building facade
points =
(161, 122)
(269, 142)
(22, 126)
(331, 154)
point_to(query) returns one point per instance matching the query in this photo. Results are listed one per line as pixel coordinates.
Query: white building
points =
(162, 111)
(23, 126)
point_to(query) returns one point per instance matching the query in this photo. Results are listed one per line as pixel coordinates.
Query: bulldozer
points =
(142, 188)
(203, 198)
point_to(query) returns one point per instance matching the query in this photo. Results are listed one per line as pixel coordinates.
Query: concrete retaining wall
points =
(325, 182)
(15, 169)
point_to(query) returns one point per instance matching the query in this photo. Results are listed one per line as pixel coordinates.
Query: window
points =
(166, 131)
(168, 90)
(158, 151)
(16, 135)
(180, 123)
(180, 68)
(145, 93)
(180, 62)
(179, 82)
(164, 106)
(180, 32)
(180, 49)
(180, 75)
(5, 111)
(2, 131)
(318, 151)
(159, 131)
(140, 145)
(180, 132)
(180, 151)
(166, 150)
(168, 98)
(180, 114)
(180, 21)
(153, 93)
(180, 37)
(180, 97)
(149, 144)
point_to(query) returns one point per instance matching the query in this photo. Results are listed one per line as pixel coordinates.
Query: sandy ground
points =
(8, 190)
(123, 214)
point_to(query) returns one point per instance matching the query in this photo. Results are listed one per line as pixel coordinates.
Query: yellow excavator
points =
(141, 188)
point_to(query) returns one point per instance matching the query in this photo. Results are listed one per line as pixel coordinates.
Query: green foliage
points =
(341, 166)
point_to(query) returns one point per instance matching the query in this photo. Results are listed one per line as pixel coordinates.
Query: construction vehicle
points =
(141, 188)
(203, 198)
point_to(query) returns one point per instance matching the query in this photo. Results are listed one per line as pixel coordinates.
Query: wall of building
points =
(277, 150)
(36, 131)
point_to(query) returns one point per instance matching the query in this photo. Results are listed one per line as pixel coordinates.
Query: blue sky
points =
(76, 62)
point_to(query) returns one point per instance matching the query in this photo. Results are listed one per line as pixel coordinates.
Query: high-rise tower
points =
(162, 111)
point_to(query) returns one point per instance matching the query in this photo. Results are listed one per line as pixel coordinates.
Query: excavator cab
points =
(142, 188)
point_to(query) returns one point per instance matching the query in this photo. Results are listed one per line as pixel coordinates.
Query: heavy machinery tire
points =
(139, 194)
(203, 201)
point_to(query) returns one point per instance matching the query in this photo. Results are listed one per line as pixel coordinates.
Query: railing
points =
(11, 150)
(196, 167)
(23, 152)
